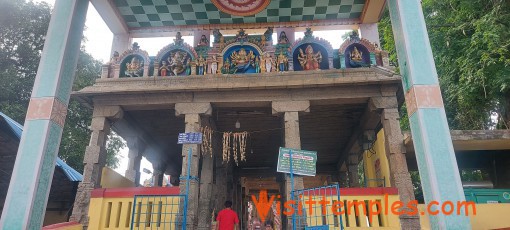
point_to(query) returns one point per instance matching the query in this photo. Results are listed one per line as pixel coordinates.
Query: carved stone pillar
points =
(290, 110)
(192, 115)
(94, 160)
(136, 147)
(395, 152)
(206, 182)
(370, 32)
(120, 43)
(158, 173)
(342, 179)
(352, 167)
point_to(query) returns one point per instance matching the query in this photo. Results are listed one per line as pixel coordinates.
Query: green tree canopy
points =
(23, 27)
(470, 42)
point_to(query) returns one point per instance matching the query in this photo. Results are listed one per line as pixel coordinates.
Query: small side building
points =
(65, 179)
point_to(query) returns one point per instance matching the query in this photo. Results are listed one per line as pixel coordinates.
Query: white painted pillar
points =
(370, 32)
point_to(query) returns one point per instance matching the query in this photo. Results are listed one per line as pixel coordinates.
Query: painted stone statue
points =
(356, 58)
(201, 64)
(257, 65)
(308, 59)
(241, 61)
(217, 35)
(283, 38)
(268, 35)
(267, 62)
(163, 70)
(203, 41)
(214, 64)
(226, 67)
(177, 62)
(282, 62)
(134, 68)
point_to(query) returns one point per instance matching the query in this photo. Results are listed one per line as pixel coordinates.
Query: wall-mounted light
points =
(238, 124)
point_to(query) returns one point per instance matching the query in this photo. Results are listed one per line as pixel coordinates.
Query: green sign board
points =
(303, 162)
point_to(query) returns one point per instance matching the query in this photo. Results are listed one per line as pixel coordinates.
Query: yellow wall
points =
(116, 213)
(351, 220)
(370, 160)
(488, 216)
(111, 179)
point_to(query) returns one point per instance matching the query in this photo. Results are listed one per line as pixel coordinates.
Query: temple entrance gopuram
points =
(248, 95)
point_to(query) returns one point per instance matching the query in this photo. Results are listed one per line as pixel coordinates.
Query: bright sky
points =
(98, 44)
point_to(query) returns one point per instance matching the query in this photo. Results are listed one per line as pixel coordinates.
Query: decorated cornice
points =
(173, 46)
(241, 7)
(371, 47)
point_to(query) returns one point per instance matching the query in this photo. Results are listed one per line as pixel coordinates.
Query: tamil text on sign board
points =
(190, 138)
(303, 162)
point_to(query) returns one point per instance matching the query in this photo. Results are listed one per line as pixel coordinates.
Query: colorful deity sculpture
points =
(201, 64)
(177, 62)
(134, 68)
(241, 60)
(282, 62)
(203, 41)
(283, 38)
(163, 70)
(356, 58)
(267, 62)
(308, 59)
(257, 64)
(226, 67)
(214, 64)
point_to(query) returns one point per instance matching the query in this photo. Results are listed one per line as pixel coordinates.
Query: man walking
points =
(227, 218)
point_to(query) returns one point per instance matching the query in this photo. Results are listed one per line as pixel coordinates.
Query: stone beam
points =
(114, 112)
(157, 100)
(193, 108)
(290, 106)
(368, 121)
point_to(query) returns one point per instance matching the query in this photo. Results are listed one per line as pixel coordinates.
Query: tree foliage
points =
(23, 27)
(470, 42)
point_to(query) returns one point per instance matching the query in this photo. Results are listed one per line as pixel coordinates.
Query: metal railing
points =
(157, 212)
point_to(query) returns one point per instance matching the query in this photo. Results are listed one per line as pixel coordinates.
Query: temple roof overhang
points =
(471, 140)
(140, 17)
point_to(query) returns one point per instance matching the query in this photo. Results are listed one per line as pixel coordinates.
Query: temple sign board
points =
(189, 138)
(303, 162)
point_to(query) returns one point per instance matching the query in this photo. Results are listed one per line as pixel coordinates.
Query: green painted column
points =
(432, 141)
(30, 184)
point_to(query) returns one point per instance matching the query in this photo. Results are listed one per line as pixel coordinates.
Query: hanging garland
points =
(234, 144)
(226, 147)
(206, 146)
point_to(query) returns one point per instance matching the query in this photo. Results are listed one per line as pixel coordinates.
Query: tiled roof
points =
(17, 130)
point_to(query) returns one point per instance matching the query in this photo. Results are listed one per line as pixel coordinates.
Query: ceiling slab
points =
(170, 13)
